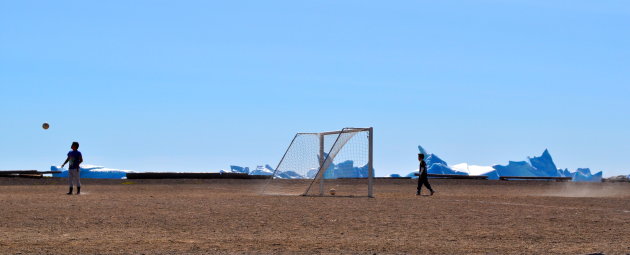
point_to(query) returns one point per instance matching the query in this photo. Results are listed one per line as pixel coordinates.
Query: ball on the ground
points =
(333, 191)
(45, 125)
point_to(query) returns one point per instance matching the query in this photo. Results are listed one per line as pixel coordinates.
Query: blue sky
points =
(200, 85)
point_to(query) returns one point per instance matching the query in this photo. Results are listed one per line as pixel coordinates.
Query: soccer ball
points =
(333, 191)
(45, 125)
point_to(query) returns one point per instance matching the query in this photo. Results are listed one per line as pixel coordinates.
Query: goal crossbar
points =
(345, 130)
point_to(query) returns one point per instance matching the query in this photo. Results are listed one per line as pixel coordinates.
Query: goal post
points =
(327, 163)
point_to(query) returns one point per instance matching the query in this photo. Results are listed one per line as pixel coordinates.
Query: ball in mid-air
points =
(332, 191)
(45, 125)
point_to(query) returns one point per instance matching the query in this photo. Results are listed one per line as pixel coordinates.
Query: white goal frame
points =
(325, 159)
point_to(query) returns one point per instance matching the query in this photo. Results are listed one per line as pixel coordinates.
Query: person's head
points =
(420, 156)
(74, 146)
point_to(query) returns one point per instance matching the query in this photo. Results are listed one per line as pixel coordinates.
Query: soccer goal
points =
(335, 163)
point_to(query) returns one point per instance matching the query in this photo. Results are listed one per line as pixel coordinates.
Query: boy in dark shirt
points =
(423, 177)
(75, 158)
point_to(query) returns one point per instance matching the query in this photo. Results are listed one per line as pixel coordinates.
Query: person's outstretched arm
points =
(65, 162)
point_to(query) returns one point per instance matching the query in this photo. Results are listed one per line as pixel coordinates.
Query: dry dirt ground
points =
(229, 216)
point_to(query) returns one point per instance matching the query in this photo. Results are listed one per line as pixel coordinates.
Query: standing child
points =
(75, 158)
(423, 178)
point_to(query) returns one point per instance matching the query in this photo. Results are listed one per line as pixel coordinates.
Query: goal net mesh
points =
(318, 163)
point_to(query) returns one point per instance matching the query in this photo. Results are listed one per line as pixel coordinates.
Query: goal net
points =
(336, 163)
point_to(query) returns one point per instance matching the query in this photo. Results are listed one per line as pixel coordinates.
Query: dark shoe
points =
(418, 193)
(78, 190)
(69, 192)
(432, 192)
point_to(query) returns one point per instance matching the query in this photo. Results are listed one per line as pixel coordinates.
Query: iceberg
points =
(262, 170)
(289, 175)
(435, 165)
(584, 175)
(265, 170)
(517, 168)
(542, 166)
(237, 169)
(473, 169)
(90, 171)
(345, 169)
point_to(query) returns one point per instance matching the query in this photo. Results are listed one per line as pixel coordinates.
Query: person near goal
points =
(75, 159)
(423, 178)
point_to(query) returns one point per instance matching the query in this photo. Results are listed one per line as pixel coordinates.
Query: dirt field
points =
(228, 216)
